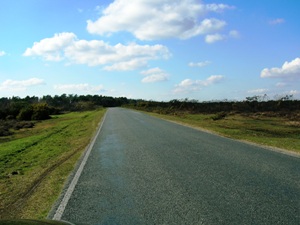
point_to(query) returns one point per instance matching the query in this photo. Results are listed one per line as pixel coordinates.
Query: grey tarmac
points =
(144, 170)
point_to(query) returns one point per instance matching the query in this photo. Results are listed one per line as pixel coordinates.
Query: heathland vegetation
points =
(17, 113)
(41, 139)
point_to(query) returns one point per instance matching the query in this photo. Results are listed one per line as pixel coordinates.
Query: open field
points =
(260, 128)
(35, 162)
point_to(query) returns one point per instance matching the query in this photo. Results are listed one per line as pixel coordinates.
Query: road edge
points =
(57, 211)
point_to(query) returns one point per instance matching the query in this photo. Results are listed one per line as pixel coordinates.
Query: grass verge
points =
(273, 131)
(35, 163)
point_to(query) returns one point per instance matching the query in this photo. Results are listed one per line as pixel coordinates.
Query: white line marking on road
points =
(60, 210)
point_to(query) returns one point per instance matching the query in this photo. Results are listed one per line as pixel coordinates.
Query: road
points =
(143, 170)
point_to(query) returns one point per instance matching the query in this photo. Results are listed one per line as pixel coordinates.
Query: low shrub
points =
(219, 116)
(6, 126)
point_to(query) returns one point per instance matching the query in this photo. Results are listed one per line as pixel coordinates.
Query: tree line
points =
(17, 113)
(40, 108)
(255, 104)
(35, 108)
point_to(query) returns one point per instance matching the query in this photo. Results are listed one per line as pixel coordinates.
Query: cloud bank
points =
(20, 85)
(154, 20)
(66, 46)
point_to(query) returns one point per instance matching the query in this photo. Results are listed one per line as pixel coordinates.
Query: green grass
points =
(34, 163)
(279, 132)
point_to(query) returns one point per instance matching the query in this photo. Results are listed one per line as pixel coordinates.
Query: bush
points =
(41, 111)
(219, 116)
(4, 131)
(84, 106)
(25, 113)
(23, 124)
(4, 128)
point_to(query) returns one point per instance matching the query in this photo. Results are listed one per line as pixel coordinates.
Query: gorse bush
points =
(39, 111)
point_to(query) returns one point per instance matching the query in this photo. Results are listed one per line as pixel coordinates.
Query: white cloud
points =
(75, 88)
(276, 21)
(294, 92)
(2, 53)
(258, 91)
(51, 49)
(288, 70)
(218, 7)
(154, 75)
(20, 85)
(199, 64)
(189, 85)
(211, 38)
(96, 52)
(152, 20)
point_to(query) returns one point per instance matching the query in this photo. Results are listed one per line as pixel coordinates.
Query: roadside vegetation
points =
(274, 123)
(35, 162)
(260, 128)
(41, 139)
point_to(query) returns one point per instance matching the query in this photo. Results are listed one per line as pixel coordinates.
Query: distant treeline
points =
(35, 108)
(250, 105)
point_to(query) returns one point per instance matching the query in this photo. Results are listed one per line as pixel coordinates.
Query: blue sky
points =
(150, 49)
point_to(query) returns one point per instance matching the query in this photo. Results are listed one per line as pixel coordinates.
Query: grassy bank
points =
(34, 163)
(271, 130)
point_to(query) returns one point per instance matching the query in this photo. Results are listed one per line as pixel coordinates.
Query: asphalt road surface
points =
(143, 170)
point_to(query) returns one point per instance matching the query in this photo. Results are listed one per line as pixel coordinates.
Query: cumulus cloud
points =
(20, 85)
(154, 75)
(153, 20)
(288, 70)
(199, 64)
(189, 85)
(51, 49)
(2, 53)
(96, 52)
(75, 88)
(276, 21)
